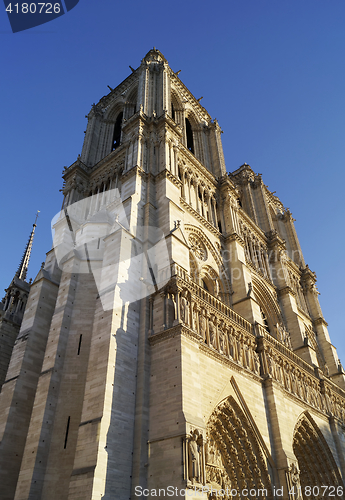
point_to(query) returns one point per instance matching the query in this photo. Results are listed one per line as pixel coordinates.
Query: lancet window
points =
(198, 195)
(255, 251)
(189, 136)
(117, 131)
(295, 284)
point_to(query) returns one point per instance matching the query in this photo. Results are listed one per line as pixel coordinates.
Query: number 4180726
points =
(32, 8)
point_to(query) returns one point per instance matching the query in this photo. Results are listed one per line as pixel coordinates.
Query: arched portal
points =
(315, 460)
(233, 455)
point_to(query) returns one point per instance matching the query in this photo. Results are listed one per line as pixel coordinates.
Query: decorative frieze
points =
(219, 329)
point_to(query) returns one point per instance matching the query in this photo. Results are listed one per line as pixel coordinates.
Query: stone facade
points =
(206, 368)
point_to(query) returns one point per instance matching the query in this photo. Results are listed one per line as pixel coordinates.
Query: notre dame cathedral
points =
(173, 343)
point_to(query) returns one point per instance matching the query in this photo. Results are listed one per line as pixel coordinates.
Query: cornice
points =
(79, 166)
(319, 321)
(179, 329)
(136, 170)
(166, 174)
(235, 237)
(285, 291)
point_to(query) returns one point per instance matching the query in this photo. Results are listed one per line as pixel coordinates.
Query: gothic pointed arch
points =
(234, 456)
(117, 131)
(210, 280)
(205, 249)
(189, 136)
(309, 442)
(176, 106)
(191, 125)
(131, 106)
(268, 303)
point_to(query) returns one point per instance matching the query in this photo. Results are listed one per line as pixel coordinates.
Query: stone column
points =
(203, 201)
(197, 195)
(214, 212)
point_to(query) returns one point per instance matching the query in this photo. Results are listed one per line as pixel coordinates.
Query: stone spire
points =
(24, 264)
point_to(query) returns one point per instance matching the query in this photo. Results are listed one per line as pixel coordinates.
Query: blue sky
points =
(272, 72)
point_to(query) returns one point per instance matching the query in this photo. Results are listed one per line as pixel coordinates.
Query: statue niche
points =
(194, 458)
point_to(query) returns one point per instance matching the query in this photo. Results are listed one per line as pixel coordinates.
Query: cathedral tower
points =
(173, 338)
(12, 308)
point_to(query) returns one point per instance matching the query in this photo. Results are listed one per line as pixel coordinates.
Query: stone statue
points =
(221, 341)
(212, 332)
(246, 355)
(271, 367)
(231, 345)
(202, 324)
(283, 335)
(195, 319)
(184, 308)
(256, 363)
(240, 350)
(194, 458)
(293, 480)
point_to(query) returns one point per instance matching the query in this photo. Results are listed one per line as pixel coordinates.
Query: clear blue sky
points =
(271, 71)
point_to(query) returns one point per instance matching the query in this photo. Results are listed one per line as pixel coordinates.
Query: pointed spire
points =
(24, 264)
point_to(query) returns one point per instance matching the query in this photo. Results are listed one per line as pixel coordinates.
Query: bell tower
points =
(173, 339)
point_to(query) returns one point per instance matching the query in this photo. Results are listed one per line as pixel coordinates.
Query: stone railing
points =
(209, 299)
(298, 377)
(225, 333)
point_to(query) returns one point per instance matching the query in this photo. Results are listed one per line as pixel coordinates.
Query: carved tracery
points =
(233, 455)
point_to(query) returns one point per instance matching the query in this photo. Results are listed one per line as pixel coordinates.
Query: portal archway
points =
(233, 454)
(315, 460)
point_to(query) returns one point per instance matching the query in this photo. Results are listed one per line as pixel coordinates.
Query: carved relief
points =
(195, 318)
(293, 482)
(283, 335)
(212, 332)
(194, 458)
(202, 324)
(231, 343)
(222, 339)
(256, 363)
(194, 468)
(234, 458)
(184, 306)
(302, 384)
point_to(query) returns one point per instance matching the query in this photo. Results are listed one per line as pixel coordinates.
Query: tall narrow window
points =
(117, 131)
(79, 345)
(66, 435)
(189, 135)
(172, 112)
